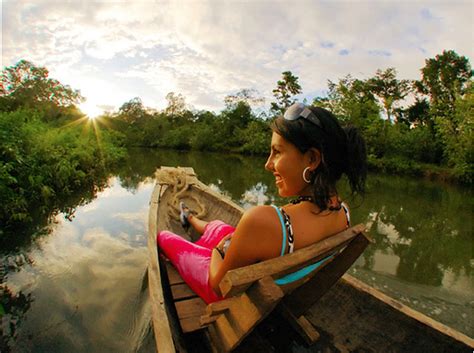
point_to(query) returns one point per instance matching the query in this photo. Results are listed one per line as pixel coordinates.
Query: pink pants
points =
(192, 260)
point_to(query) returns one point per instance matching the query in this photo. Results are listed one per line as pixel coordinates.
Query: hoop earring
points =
(308, 181)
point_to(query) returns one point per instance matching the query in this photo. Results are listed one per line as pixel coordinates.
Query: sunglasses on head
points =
(299, 110)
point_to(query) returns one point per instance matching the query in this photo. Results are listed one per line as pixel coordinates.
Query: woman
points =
(309, 153)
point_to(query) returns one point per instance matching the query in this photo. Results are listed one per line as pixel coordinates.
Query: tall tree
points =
(237, 116)
(287, 87)
(418, 113)
(444, 78)
(27, 85)
(350, 100)
(176, 104)
(248, 95)
(132, 111)
(456, 133)
(389, 89)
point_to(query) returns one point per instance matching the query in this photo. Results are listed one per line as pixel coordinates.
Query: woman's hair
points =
(342, 152)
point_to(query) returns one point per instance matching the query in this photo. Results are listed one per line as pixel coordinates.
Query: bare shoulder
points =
(258, 234)
(261, 222)
(259, 216)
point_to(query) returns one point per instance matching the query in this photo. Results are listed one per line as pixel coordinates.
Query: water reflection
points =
(86, 281)
(234, 174)
(82, 287)
(427, 227)
(21, 235)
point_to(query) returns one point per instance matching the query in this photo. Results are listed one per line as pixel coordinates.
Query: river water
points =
(82, 286)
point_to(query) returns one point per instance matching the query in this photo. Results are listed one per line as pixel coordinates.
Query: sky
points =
(113, 51)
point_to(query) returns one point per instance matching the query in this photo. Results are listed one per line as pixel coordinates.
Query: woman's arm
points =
(216, 264)
(257, 237)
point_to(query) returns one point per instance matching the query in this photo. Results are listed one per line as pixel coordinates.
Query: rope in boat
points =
(178, 179)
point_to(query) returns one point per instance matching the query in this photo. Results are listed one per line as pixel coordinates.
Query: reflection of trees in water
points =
(41, 224)
(13, 307)
(233, 173)
(430, 227)
(140, 164)
(435, 247)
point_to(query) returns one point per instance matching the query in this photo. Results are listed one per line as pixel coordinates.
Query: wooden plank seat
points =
(189, 306)
(251, 293)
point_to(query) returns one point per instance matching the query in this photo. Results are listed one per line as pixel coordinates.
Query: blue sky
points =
(113, 51)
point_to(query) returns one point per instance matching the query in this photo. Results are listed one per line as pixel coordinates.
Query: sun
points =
(91, 110)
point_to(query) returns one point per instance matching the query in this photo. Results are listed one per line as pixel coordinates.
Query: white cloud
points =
(93, 275)
(114, 51)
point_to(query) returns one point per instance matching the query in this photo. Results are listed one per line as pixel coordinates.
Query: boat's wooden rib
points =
(351, 317)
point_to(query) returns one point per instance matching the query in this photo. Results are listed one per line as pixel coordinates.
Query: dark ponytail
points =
(342, 150)
(356, 170)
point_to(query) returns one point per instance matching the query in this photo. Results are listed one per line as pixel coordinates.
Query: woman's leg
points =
(211, 232)
(197, 223)
(192, 262)
(214, 231)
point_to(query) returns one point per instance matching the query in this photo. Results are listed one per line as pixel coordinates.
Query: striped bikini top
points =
(287, 231)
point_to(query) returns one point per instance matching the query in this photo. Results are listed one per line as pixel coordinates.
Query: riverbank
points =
(401, 166)
(392, 165)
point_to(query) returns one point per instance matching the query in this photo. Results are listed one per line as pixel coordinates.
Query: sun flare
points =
(91, 110)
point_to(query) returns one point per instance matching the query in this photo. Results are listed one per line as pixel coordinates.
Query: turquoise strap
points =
(301, 272)
(283, 228)
(292, 277)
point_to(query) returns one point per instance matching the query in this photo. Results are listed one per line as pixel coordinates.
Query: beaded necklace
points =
(301, 199)
(311, 199)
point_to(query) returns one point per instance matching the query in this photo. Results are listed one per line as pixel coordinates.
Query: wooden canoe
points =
(351, 317)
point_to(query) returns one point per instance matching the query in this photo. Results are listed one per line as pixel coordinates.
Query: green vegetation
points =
(237, 128)
(431, 136)
(48, 149)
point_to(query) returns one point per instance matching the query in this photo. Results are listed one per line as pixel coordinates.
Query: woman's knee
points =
(163, 237)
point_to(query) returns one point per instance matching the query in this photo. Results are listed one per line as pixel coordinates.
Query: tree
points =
(236, 117)
(416, 114)
(444, 78)
(247, 95)
(350, 100)
(456, 135)
(287, 87)
(388, 89)
(27, 85)
(176, 104)
(132, 111)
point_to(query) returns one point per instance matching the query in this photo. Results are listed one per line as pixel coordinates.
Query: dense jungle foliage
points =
(49, 149)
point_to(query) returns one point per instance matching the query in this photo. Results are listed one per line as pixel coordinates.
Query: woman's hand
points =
(220, 246)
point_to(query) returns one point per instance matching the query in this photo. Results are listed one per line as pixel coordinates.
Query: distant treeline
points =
(432, 135)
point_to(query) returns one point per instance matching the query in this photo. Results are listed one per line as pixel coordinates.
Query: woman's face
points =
(287, 163)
